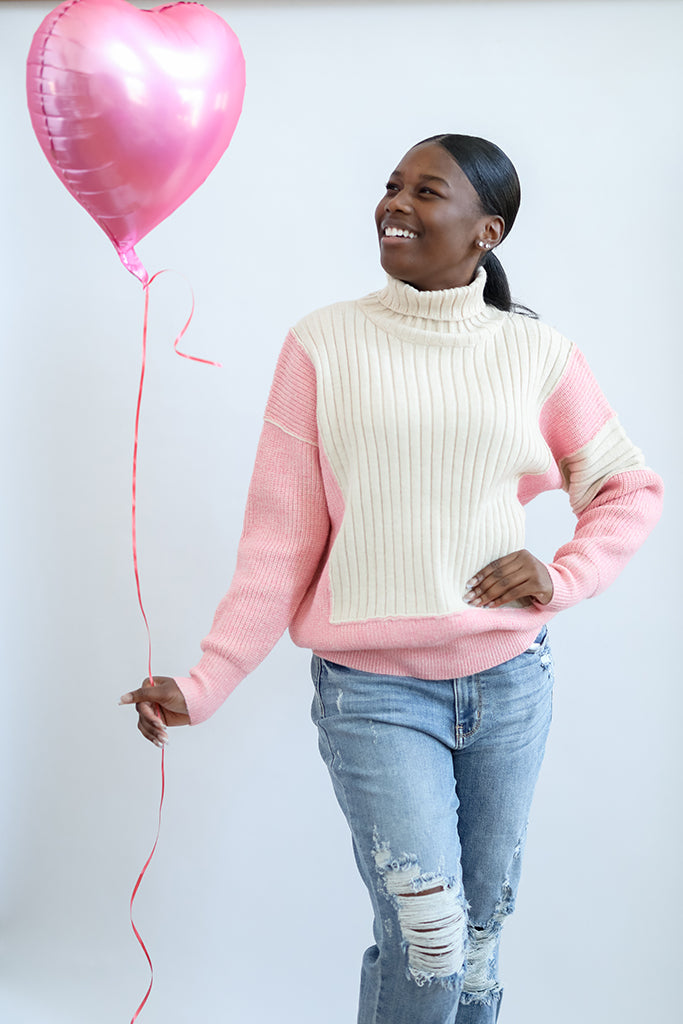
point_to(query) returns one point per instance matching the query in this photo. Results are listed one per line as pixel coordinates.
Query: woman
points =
(384, 527)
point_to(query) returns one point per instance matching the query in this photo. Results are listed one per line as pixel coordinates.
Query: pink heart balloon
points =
(133, 108)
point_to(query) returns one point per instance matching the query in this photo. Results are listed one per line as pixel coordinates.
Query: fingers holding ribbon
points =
(158, 706)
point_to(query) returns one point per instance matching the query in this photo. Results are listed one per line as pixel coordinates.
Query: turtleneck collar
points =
(447, 304)
(450, 316)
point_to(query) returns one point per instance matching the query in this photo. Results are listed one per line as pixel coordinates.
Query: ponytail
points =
(497, 288)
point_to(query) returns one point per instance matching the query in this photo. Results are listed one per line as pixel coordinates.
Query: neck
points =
(461, 277)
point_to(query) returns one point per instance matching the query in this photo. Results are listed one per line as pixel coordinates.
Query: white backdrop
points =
(251, 909)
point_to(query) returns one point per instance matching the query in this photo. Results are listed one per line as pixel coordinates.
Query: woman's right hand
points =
(158, 706)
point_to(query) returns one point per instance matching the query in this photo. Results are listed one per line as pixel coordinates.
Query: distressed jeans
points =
(435, 779)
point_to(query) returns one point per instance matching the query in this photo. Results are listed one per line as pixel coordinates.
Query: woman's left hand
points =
(516, 577)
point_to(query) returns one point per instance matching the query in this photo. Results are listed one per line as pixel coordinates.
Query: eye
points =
(426, 190)
(391, 186)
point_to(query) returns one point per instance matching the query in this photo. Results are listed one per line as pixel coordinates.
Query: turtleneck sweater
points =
(403, 435)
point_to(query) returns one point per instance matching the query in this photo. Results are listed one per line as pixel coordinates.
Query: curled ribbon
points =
(208, 362)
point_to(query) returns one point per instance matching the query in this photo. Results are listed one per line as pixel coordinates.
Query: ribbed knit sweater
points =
(403, 435)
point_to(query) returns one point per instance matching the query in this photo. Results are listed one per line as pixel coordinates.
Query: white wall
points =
(251, 909)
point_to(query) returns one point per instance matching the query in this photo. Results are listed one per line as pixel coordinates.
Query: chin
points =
(397, 268)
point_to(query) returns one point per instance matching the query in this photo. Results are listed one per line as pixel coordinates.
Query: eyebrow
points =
(426, 177)
(435, 177)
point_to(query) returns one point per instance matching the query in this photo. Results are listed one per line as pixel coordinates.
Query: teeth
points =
(398, 233)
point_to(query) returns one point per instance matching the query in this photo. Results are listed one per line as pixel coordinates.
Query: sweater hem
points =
(465, 657)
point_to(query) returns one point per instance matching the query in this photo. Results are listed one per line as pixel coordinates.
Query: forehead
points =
(429, 159)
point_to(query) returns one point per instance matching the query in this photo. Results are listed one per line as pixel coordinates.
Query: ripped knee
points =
(481, 984)
(432, 917)
(433, 925)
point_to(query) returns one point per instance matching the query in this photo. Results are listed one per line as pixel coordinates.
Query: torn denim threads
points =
(435, 779)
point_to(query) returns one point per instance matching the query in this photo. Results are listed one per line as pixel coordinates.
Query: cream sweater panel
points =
(428, 419)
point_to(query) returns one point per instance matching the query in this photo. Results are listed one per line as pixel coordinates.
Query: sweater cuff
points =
(571, 583)
(191, 691)
(202, 701)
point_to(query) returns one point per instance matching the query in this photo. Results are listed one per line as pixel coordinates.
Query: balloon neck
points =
(132, 262)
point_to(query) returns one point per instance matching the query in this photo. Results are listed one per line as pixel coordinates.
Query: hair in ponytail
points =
(494, 178)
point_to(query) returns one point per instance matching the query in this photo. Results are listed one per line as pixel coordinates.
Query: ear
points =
(492, 231)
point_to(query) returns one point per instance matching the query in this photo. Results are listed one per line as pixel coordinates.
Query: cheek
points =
(453, 237)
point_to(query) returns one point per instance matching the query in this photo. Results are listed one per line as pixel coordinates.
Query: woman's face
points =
(430, 222)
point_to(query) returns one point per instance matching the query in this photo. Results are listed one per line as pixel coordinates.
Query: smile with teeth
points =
(398, 233)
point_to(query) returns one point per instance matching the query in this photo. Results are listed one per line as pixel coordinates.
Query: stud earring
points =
(484, 245)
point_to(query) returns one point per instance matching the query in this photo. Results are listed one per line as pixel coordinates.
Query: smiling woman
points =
(428, 218)
(403, 435)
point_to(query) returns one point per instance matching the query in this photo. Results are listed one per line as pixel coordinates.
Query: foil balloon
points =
(133, 108)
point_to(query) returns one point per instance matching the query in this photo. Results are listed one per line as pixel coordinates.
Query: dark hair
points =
(494, 178)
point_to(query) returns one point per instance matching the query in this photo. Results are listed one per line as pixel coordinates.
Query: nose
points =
(399, 200)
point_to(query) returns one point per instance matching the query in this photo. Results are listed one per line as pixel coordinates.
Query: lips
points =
(396, 233)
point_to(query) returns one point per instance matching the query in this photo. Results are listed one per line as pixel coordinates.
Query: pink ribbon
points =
(195, 359)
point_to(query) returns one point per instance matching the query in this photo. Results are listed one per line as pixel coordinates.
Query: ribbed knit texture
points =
(402, 436)
(429, 420)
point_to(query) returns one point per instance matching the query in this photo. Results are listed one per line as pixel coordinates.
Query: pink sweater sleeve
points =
(617, 500)
(286, 526)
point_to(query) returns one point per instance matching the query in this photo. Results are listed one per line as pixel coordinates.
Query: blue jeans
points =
(435, 778)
